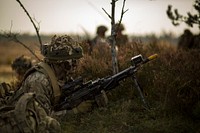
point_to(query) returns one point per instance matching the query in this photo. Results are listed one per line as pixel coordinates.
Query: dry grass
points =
(171, 85)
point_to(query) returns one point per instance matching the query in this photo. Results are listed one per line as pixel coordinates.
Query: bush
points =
(170, 85)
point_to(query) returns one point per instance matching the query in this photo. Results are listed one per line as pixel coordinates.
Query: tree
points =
(114, 29)
(190, 19)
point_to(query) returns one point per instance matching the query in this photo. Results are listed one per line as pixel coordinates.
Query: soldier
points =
(196, 41)
(100, 39)
(121, 39)
(20, 65)
(100, 35)
(186, 40)
(31, 106)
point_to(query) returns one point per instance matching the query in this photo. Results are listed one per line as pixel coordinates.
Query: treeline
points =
(132, 38)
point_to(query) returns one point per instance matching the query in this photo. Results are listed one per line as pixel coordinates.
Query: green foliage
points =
(190, 19)
(170, 85)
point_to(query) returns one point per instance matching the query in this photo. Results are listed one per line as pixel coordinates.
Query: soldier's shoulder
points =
(37, 77)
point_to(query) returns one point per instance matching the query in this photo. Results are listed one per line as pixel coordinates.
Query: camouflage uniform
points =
(40, 91)
(100, 39)
(121, 39)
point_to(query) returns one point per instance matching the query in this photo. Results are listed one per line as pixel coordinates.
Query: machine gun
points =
(77, 91)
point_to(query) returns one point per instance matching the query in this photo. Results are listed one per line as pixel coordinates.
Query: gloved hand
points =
(83, 107)
(102, 99)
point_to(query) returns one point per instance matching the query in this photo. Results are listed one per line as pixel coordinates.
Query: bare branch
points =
(36, 28)
(13, 37)
(113, 12)
(38, 23)
(11, 25)
(114, 29)
(123, 12)
(107, 13)
(96, 9)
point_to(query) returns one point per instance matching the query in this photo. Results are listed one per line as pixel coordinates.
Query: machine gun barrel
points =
(90, 89)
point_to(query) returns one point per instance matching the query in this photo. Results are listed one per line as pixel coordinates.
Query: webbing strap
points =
(50, 73)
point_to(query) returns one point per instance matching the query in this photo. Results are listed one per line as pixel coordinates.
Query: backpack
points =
(5, 92)
(13, 118)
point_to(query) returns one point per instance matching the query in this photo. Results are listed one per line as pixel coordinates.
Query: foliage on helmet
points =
(61, 49)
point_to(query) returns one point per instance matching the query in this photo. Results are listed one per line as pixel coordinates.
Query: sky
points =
(80, 16)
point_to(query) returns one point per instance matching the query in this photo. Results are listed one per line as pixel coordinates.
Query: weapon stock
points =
(89, 90)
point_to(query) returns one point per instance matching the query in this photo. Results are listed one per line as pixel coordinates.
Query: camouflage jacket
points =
(39, 84)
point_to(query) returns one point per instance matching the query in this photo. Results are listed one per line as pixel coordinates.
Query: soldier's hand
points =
(83, 107)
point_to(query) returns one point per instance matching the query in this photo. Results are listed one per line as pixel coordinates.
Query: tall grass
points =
(171, 85)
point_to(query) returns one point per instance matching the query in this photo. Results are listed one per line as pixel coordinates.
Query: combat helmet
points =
(61, 49)
(101, 29)
(119, 27)
(21, 64)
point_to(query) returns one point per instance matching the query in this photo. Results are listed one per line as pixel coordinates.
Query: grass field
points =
(171, 85)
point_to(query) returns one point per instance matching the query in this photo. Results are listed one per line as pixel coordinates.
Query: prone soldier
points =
(20, 65)
(31, 106)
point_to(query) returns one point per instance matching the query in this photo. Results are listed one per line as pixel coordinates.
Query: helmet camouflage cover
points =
(61, 49)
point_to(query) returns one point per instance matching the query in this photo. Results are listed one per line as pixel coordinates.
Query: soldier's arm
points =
(41, 86)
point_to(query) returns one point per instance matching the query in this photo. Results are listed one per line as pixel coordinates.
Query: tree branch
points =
(107, 13)
(123, 12)
(114, 29)
(13, 37)
(36, 28)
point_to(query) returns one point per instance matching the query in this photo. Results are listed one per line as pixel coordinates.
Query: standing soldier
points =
(186, 40)
(121, 39)
(100, 39)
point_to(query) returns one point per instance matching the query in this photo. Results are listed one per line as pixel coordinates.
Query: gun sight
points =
(136, 60)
